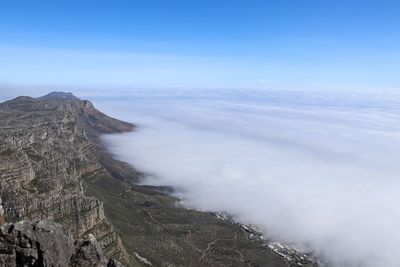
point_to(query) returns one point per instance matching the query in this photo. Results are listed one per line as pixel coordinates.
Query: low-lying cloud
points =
(321, 176)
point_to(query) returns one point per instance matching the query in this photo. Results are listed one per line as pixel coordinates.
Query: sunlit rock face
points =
(47, 145)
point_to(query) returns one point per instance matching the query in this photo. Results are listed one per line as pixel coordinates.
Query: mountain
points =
(47, 145)
(58, 95)
(54, 167)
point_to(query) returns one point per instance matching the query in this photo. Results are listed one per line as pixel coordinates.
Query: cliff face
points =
(44, 243)
(47, 145)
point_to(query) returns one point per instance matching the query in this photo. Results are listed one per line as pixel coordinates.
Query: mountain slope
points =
(54, 166)
(45, 150)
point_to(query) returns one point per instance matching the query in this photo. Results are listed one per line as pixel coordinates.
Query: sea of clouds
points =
(321, 170)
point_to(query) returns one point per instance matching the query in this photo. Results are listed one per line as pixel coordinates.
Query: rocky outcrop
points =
(34, 244)
(88, 253)
(44, 243)
(47, 146)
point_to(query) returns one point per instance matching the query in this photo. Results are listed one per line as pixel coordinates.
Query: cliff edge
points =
(47, 145)
(54, 168)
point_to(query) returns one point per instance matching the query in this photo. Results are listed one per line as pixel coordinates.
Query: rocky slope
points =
(44, 243)
(45, 149)
(53, 166)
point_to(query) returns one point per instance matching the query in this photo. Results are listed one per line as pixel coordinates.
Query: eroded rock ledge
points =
(44, 243)
(46, 146)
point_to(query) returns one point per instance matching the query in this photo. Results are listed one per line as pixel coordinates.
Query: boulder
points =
(29, 243)
(88, 253)
(44, 243)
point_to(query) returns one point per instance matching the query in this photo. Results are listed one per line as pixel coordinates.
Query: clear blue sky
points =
(249, 43)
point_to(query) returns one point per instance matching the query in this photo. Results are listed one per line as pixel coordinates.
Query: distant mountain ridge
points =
(58, 95)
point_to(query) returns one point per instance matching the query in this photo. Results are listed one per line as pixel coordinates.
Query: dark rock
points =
(41, 243)
(114, 263)
(88, 253)
(44, 243)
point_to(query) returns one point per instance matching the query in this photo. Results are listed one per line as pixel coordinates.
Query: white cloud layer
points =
(324, 175)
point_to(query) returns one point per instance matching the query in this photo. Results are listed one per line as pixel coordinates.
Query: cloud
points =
(319, 170)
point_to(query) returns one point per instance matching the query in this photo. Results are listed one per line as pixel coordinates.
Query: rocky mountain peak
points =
(20, 100)
(59, 95)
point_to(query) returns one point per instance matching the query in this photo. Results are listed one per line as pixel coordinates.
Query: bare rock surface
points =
(88, 252)
(44, 243)
(47, 145)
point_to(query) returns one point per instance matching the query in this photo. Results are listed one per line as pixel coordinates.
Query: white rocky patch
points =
(142, 259)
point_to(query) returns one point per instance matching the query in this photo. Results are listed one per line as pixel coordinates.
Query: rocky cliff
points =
(44, 243)
(46, 146)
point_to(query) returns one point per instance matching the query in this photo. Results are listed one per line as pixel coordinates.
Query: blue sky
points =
(268, 44)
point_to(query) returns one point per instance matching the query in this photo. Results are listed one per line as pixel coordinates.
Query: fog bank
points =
(318, 170)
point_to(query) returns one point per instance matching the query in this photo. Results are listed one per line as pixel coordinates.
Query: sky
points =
(289, 44)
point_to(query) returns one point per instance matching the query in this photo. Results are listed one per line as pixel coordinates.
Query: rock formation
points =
(44, 243)
(34, 244)
(45, 150)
